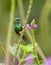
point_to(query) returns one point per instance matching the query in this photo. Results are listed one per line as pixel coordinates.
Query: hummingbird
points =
(18, 27)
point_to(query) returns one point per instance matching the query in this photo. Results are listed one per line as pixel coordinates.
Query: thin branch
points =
(34, 47)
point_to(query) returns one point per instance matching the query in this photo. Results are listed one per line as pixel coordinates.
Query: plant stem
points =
(20, 4)
(10, 30)
(29, 11)
(34, 47)
(39, 51)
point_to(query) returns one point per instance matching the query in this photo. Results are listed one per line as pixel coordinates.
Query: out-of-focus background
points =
(41, 12)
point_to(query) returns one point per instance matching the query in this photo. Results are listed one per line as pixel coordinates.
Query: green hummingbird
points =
(18, 27)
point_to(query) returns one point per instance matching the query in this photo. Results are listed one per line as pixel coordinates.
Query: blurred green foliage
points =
(41, 11)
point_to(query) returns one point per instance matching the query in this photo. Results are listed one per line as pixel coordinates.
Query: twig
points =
(34, 47)
(39, 51)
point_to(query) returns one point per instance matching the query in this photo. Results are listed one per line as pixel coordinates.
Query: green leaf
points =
(27, 48)
(24, 48)
(30, 47)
